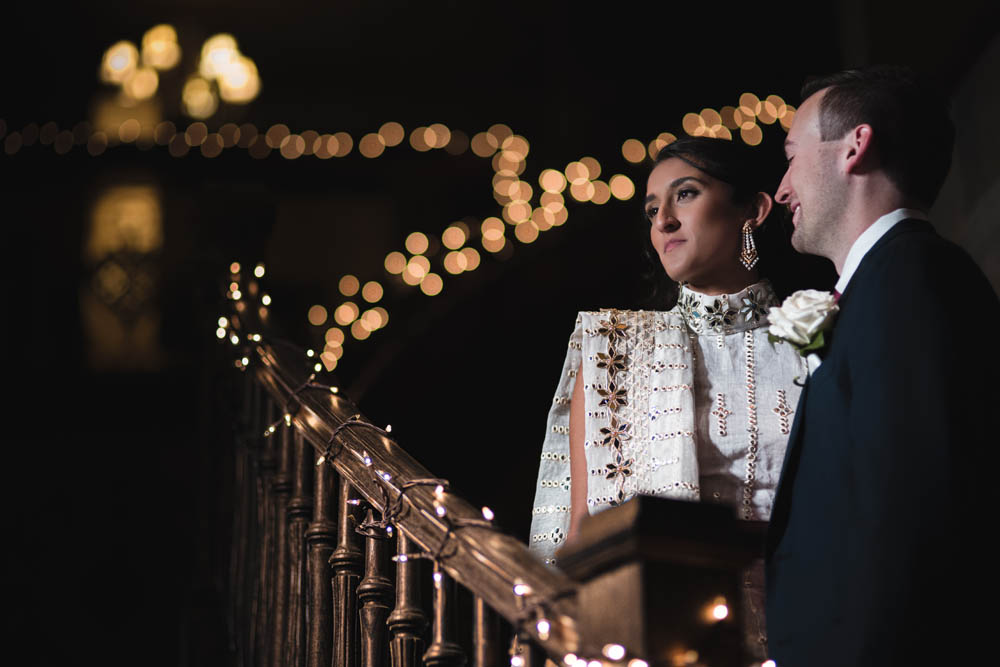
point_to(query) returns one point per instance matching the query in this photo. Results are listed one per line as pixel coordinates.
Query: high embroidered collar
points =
(726, 313)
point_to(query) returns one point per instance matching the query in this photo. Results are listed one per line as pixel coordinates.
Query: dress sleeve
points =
(550, 513)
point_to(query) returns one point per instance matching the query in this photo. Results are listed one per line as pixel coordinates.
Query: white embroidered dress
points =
(691, 403)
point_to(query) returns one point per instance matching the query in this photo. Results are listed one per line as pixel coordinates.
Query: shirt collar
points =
(869, 238)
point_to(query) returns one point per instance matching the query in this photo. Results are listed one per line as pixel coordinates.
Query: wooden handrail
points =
(484, 560)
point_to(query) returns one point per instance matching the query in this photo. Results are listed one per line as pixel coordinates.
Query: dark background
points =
(116, 490)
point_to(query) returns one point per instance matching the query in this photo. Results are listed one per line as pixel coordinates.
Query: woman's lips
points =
(673, 243)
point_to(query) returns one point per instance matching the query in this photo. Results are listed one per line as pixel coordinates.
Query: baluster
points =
(281, 490)
(485, 634)
(263, 601)
(444, 651)
(239, 545)
(251, 508)
(299, 513)
(374, 598)
(407, 621)
(346, 563)
(321, 537)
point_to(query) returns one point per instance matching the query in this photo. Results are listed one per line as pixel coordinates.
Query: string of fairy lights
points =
(534, 610)
(527, 210)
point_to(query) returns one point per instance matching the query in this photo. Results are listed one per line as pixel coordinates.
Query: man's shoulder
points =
(915, 251)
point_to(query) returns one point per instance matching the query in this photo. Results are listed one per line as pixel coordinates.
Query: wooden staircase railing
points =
(334, 522)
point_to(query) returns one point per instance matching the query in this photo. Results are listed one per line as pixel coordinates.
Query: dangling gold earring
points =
(748, 256)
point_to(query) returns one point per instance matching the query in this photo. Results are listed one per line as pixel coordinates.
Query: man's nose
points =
(784, 193)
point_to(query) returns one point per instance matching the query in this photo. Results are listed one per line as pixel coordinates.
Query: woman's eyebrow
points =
(678, 181)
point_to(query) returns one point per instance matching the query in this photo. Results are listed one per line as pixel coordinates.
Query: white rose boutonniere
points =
(802, 319)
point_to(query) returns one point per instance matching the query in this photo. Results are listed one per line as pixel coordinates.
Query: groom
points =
(878, 550)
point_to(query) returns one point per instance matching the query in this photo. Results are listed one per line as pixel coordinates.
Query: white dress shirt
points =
(869, 238)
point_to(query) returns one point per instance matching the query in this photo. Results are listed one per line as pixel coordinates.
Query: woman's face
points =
(695, 227)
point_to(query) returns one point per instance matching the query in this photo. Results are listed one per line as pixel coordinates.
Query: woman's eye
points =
(651, 212)
(686, 193)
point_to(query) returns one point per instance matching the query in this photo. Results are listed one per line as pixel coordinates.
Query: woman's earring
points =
(748, 256)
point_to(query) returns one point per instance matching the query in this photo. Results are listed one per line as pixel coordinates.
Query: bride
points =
(690, 402)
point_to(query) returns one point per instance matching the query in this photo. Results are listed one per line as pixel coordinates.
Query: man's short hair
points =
(913, 135)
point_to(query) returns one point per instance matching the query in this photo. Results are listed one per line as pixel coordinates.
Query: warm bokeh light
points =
(515, 147)
(455, 262)
(494, 245)
(411, 278)
(633, 151)
(693, 124)
(593, 167)
(552, 180)
(577, 173)
(582, 191)
(217, 53)
(753, 135)
(195, 133)
(292, 147)
(392, 133)
(505, 165)
(346, 313)
(417, 243)
(239, 81)
(230, 134)
(484, 144)
(516, 212)
(622, 187)
(499, 132)
(749, 104)
(492, 228)
(359, 331)
(198, 98)
(728, 117)
(431, 284)
(437, 135)
(787, 118)
(602, 192)
(418, 266)
(141, 84)
(395, 262)
(120, 60)
(317, 315)
(720, 611)
(372, 292)
(344, 144)
(129, 130)
(276, 134)
(552, 201)
(458, 144)
(212, 146)
(348, 285)
(657, 144)
(160, 48)
(234, 267)
(526, 232)
(519, 191)
(454, 236)
(543, 218)
(329, 361)
(418, 139)
(334, 337)
(471, 258)
(371, 145)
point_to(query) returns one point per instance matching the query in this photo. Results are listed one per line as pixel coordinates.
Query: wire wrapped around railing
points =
(384, 494)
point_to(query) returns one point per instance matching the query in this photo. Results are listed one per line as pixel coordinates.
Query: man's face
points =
(811, 188)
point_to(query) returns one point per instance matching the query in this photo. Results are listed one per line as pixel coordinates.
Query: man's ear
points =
(760, 208)
(858, 153)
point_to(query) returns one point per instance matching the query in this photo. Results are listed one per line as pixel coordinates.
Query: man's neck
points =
(869, 200)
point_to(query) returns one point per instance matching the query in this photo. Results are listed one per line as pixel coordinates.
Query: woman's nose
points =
(666, 222)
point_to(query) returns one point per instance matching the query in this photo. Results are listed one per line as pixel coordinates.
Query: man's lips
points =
(796, 216)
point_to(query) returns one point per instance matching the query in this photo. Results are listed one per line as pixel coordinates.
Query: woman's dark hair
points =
(747, 170)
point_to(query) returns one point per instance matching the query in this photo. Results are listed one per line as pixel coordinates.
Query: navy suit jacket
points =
(877, 547)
